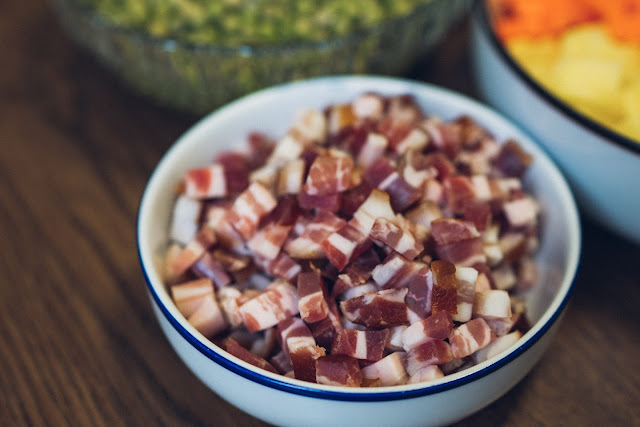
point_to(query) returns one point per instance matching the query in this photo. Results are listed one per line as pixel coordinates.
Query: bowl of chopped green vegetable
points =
(196, 56)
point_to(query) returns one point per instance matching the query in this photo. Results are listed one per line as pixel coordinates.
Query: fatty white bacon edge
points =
(249, 208)
(389, 370)
(470, 337)
(276, 303)
(398, 239)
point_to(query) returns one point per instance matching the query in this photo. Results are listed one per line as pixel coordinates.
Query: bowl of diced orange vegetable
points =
(567, 72)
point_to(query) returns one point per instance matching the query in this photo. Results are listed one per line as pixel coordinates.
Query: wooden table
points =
(79, 344)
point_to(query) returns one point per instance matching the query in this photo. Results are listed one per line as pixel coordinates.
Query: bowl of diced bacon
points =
(358, 250)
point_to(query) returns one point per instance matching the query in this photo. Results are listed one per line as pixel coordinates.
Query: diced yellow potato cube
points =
(594, 41)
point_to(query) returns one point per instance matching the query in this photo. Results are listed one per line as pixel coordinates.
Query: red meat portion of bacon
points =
(286, 212)
(275, 304)
(464, 253)
(434, 352)
(470, 337)
(396, 271)
(466, 278)
(204, 239)
(345, 244)
(242, 353)
(206, 182)
(512, 160)
(445, 293)
(260, 146)
(282, 362)
(338, 370)
(324, 202)
(363, 345)
(236, 171)
(308, 245)
(325, 330)
(378, 310)
(249, 208)
(329, 175)
(303, 362)
(353, 198)
(420, 292)
(293, 333)
(479, 214)
(383, 175)
(401, 241)
(376, 205)
(217, 217)
(436, 327)
(282, 266)
(311, 297)
(356, 273)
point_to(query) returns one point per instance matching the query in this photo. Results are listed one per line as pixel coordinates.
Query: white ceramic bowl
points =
(283, 401)
(602, 166)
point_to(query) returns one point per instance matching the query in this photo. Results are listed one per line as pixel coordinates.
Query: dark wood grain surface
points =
(79, 344)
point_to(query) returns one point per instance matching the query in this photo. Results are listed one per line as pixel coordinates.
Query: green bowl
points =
(198, 77)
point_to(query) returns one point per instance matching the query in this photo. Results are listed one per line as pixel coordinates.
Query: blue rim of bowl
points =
(349, 396)
(480, 11)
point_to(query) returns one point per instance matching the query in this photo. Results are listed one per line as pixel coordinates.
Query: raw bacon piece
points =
(396, 271)
(308, 245)
(379, 310)
(282, 266)
(436, 327)
(260, 147)
(356, 273)
(217, 217)
(364, 345)
(188, 296)
(311, 125)
(230, 300)
(338, 370)
(325, 202)
(249, 208)
(416, 139)
(401, 241)
(469, 337)
(184, 220)
(420, 293)
(345, 244)
(207, 266)
(512, 160)
(329, 175)
(208, 318)
(377, 205)
(458, 241)
(303, 361)
(204, 239)
(236, 171)
(522, 212)
(368, 106)
(496, 347)
(293, 333)
(291, 177)
(353, 198)
(444, 294)
(427, 373)
(492, 304)
(466, 290)
(373, 149)
(435, 352)
(417, 169)
(389, 370)
(282, 362)
(423, 214)
(451, 230)
(205, 183)
(383, 175)
(325, 330)
(242, 353)
(311, 297)
(340, 117)
(267, 241)
(278, 302)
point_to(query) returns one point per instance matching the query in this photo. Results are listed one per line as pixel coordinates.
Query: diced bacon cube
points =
(466, 290)
(311, 297)
(492, 304)
(188, 296)
(389, 370)
(458, 241)
(416, 139)
(356, 273)
(396, 271)
(268, 240)
(398, 239)
(282, 362)
(325, 202)
(236, 170)
(278, 302)
(206, 182)
(234, 348)
(451, 230)
(263, 343)
(208, 318)
(427, 373)
(436, 327)
(329, 175)
(345, 244)
(308, 245)
(338, 370)
(364, 345)
(435, 352)
(420, 293)
(394, 343)
(293, 333)
(496, 347)
(204, 239)
(377, 205)
(379, 310)
(383, 175)
(287, 148)
(424, 213)
(325, 330)
(417, 169)
(282, 266)
(311, 125)
(230, 300)
(368, 106)
(249, 208)
(502, 326)
(184, 220)
(522, 212)
(504, 277)
(374, 148)
(217, 217)
(527, 273)
(291, 177)
(267, 176)
(207, 266)
(303, 361)
(513, 246)
(470, 337)
(340, 116)
(356, 291)
(444, 294)
(512, 160)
